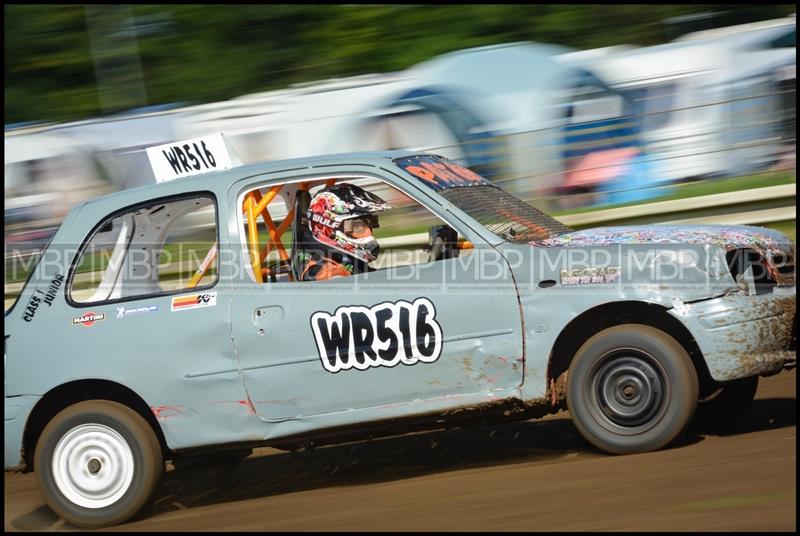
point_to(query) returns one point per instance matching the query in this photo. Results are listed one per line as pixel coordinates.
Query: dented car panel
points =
(741, 335)
(291, 339)
(738, 334)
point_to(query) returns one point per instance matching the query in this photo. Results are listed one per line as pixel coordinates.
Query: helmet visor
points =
(370, 220)
(360, 227)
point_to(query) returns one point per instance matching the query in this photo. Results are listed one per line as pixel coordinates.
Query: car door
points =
(423, 331)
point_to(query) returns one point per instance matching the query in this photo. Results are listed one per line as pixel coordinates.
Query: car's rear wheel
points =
(98, 463)
(631, 388)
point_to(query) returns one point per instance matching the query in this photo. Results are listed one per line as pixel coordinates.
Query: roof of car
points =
(211, 180)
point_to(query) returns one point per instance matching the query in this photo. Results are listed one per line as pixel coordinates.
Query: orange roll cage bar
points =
(255, 205)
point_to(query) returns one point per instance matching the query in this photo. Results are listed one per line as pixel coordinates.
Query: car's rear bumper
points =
(16, 415)
(741, 335)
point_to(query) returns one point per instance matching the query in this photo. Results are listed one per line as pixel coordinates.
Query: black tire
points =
(725, 406)
(631, 388)
(122, 457)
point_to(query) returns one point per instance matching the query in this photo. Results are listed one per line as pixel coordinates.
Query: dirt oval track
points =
(531, 476)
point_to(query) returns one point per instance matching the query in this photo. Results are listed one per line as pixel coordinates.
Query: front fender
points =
(741, 335)
(551, 296)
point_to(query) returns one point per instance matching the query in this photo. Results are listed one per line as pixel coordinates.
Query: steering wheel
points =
(437, 246)
(442, 243)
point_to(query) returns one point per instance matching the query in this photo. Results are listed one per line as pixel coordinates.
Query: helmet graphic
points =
(338, 216)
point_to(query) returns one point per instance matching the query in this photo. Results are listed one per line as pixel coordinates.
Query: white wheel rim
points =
(93, 466)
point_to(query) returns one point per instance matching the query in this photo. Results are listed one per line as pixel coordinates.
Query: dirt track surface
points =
(531, 476)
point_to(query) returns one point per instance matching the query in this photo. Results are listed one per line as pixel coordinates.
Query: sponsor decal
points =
(439, 173)
(33, 305)
(209, 258)
(385, 334)
(325, 221)
(42, 296)
(583, 276)
(122, 312)
(194, 301)
(87, 319)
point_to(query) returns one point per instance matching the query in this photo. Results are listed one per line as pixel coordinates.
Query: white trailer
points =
(709, 102)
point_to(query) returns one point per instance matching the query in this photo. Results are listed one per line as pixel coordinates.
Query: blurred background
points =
(599, 115)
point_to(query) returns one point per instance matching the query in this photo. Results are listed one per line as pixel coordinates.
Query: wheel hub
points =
(93, 466)
(629, 390)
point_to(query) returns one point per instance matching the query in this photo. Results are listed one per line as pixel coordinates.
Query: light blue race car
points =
(179, 320)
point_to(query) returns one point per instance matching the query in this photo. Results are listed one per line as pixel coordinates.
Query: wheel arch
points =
(70, 393)
(606, 315)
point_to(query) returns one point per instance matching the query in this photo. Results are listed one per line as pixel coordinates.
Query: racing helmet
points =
(338, 217)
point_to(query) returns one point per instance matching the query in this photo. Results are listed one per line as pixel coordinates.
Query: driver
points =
(341, 219)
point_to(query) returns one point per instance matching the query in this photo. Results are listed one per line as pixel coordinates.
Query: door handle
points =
(269, 314)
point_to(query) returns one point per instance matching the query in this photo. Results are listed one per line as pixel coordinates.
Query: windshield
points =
(505, 215)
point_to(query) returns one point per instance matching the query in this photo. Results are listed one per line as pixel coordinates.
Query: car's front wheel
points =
(98, 463)
(631, 388)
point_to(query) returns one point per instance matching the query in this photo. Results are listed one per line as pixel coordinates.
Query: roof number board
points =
(191, 157)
